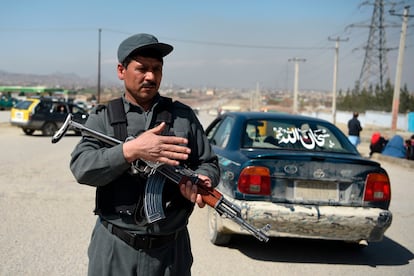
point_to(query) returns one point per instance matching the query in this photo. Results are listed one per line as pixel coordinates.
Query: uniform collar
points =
(130, 107)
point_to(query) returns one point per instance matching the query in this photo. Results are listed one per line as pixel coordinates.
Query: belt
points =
(139, 241)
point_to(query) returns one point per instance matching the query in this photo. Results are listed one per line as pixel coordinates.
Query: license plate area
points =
(19, 116)
(316, 191)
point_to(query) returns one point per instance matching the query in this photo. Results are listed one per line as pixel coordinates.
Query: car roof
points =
(247, 115)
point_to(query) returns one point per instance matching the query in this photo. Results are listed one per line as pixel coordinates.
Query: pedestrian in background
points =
(378, 143)
(354, 129)
(409, 144)
(163, 131)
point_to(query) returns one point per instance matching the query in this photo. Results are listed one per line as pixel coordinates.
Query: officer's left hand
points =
(189, 190)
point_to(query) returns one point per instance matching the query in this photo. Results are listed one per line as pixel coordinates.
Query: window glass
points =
(59, 108)
(44, 107)
(77, 109)
(222, 133)
(297, 135)
(23, 104)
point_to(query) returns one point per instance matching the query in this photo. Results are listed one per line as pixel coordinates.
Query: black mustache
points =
(149, 84)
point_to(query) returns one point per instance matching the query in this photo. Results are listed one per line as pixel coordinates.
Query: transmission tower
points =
(375, 65)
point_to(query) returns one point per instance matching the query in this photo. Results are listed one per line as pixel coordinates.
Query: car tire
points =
(28, 131)
(214, 227)
(49, 129)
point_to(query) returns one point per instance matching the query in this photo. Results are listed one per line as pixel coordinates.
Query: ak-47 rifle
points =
(178, 174)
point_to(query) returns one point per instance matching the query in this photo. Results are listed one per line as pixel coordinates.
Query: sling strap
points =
(117, 118)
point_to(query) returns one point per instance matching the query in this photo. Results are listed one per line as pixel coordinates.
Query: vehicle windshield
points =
(24, 104)
(296, 135)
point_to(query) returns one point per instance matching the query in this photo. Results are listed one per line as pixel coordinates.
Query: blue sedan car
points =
(299, 174)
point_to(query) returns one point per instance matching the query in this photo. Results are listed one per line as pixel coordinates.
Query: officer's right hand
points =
(154, 147)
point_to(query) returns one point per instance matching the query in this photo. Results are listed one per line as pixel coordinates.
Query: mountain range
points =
(61, 80)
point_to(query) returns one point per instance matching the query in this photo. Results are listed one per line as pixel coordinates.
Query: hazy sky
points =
(217, 43)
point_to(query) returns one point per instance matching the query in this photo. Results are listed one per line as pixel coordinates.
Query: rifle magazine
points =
(153, 207)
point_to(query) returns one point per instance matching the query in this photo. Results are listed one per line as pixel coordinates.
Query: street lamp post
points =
(296, 83)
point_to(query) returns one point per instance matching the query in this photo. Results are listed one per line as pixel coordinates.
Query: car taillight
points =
(377, 187)
(254, 180)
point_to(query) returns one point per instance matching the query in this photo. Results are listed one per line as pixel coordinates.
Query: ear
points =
(120, 69)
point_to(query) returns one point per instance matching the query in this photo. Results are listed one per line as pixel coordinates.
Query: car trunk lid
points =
(312, 178)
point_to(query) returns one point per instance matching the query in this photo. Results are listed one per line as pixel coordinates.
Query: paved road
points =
(47, 220)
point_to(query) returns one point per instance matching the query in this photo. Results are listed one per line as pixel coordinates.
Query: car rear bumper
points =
(319, 222)
(19, 123)
(32, 124)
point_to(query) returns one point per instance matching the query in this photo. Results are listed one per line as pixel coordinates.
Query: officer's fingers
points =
(171, 149)
(200, 202)
(164, 156)
(168, 161)
(193, 193)
(182, 188)
(206, 180)
(158, 129)
(185, 189)
(189, 190)
(173, 140)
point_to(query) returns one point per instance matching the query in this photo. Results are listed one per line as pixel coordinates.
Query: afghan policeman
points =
(123, 241)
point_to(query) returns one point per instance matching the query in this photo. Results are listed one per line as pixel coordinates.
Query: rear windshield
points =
(297, 135)
(23, 104)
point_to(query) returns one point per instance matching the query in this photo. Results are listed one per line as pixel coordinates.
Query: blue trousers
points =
(355, 140)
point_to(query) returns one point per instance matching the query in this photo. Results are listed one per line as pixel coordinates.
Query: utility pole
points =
(335, 75)
(398, 73)
(256, 98)
(296, 81)
(99, 67)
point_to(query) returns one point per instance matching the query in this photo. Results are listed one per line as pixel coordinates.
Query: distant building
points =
(210, 92)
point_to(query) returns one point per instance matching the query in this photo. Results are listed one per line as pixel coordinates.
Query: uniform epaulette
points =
(181, 105)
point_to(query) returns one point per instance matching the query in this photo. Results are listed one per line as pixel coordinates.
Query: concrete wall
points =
(372, 118)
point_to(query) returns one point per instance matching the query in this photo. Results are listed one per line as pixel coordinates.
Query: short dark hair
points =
(149, 52)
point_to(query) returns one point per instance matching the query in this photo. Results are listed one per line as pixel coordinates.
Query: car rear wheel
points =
(214, 227)
(49, 129)
(28, 131)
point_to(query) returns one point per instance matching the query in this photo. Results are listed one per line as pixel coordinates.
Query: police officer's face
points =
(142, 78)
